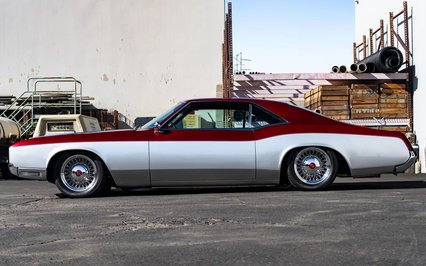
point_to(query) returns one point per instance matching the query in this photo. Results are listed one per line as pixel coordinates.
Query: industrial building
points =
(137, 57)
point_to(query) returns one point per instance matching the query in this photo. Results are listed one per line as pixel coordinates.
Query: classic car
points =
(212, 142)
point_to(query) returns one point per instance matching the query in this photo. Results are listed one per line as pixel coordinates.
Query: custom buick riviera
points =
(214, 142)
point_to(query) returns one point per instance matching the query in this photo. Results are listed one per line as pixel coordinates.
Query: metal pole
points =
(407, 40)
(354, 50)
(75, 97)
(382, 35)
(364, 45)
(391, 30)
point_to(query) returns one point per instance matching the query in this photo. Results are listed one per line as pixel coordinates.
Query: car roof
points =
(234, 100)
(286, 111)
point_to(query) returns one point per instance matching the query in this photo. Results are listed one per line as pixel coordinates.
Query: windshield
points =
(160, 118)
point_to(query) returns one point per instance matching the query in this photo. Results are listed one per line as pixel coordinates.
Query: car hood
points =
(100, 136)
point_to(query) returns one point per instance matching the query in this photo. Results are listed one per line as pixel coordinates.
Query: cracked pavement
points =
(356, 222)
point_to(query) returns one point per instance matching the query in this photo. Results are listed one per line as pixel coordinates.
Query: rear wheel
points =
(80, 175)
(312, 168)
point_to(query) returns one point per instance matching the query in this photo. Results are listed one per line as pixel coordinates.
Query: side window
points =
(262, 118)
(212, 116)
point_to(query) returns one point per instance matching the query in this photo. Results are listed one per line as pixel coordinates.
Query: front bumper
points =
(28, 173)
(402, 167)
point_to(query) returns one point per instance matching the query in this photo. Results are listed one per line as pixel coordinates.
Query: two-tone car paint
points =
(149, 157)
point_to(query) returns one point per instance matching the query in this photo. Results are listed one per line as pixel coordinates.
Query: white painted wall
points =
(136, 56)
(368, 14)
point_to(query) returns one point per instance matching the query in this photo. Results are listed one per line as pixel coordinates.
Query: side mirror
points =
(157, 129)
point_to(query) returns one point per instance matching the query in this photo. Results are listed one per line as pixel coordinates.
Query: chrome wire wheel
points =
(313, 166)
(79, 173)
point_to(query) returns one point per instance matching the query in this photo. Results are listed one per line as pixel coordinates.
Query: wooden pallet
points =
(361, 101)
(329, 100)
(388, 100)
(393, 101)
(364, 101)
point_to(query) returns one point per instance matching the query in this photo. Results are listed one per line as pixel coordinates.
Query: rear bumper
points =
(28, 173)
(402, 167)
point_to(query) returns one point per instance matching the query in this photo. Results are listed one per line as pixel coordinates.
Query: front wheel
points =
(312, 168)
(80, 175)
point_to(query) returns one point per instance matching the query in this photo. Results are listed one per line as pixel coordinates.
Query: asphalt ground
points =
(355, 222)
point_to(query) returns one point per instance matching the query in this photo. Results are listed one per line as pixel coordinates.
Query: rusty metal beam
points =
(364, 45)
(407, 40)
(391, 29)
(382, 35)
(227, 49)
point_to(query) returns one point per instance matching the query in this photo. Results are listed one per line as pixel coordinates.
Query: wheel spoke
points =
(313, 166)
(79, 173)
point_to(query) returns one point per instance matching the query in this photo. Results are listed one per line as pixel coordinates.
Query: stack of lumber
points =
(329, 100)
(393, 103)
(388, 100)
(364, 101)
(393, 100)
(380, 102)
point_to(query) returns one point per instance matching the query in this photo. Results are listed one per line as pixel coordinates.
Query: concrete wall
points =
(368, 15)
(136, 56)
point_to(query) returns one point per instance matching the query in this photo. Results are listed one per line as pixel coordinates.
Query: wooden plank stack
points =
(362, 102)
(393, 101)
(329, 100)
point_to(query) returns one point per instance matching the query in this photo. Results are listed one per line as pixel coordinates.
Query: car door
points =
(206, 143)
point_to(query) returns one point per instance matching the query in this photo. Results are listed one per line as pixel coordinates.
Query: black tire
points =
(80, 175)
(284, 182)
(312, 168)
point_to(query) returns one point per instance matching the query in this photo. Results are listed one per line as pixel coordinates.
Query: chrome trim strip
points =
(28, 173)
(402, 167)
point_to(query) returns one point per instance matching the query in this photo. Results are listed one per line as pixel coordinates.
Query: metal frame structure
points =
(227, 49)
(388, 36)
(394, 34)
(21, 110)
(77, 92)
(381, 37)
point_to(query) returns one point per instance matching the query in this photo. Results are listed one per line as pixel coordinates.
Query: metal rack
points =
(382, 37)
(23, 108)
